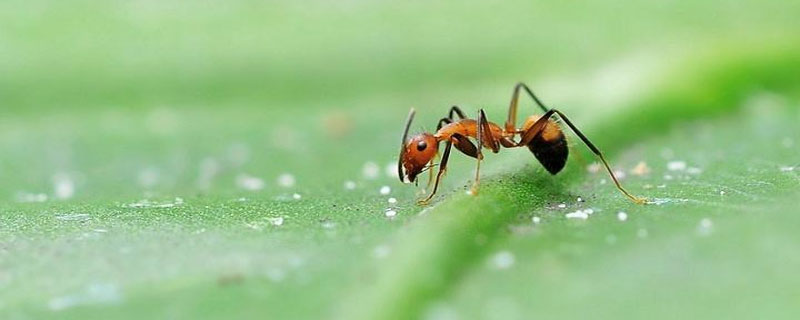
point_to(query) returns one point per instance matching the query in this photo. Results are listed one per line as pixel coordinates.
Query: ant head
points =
(416, 154)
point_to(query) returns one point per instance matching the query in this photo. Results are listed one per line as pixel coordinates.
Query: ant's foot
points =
(638, 200)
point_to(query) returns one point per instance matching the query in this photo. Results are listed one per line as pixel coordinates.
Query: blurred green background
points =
(224, 159)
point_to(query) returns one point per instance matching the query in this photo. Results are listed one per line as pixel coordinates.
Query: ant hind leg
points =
(512, 108)
(538, 126)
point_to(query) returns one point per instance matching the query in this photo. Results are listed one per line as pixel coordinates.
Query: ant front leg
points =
(430, 174)
(442, 170)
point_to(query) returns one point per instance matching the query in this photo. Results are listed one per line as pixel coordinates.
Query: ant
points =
(542, 135)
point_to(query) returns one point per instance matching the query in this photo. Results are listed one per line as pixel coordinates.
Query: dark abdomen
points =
(552, 154)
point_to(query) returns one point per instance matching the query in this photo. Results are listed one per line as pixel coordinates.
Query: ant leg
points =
(474, 190)
(442, 169)
(454, 110)
(457, 111)
(538, 127)
(511, 123)
(578, 156)
(462, 143)
(484, 134)
(597, 152)
(483, 126)
(535, 129)
(430, 174)
(443, 122)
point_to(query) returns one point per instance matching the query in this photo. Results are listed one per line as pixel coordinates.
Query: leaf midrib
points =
(436, 249)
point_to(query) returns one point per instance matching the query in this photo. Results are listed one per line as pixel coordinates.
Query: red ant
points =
(542, 135)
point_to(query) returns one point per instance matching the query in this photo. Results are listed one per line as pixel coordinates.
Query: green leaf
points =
(147, 152)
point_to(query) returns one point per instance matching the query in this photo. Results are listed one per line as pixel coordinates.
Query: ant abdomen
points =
(551, 151)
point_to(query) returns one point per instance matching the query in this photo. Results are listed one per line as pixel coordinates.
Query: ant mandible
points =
(542, 135)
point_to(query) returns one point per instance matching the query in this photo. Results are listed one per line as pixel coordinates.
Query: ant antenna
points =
(400, 170)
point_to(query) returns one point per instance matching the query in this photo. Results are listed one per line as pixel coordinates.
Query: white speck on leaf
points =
(705, 227)
(249, 183)
(385, 190)
(99, 293)
(370, 170)
(381, 251)
(275, 221)
(580, 214)
(676, 165)
(694, 170)
(73, 216)
(286, 180)
(26, 197)
(255, 225)
(63, 186)
(390, 213)
(622, 216)
(391, 170)
(154, 204)
(662, 201)
(149, 177)
(349, 185)
(536, 220)
(392, 200)
(502, 260)
(328, 224)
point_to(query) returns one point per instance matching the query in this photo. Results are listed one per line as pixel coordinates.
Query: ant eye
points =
(422, 145)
